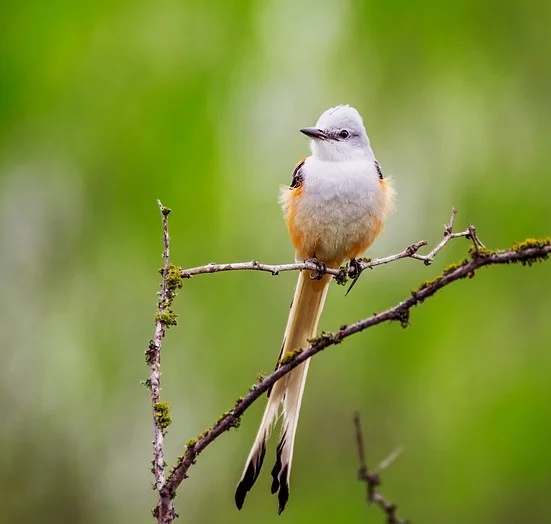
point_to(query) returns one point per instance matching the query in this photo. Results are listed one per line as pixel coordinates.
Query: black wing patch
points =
(298, 177)
(379, 170)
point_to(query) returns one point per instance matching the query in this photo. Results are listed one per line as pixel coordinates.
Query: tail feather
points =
(301, 326)
(281, 471)
(258, 451)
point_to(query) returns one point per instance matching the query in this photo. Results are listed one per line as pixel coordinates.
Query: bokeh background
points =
(107, 106)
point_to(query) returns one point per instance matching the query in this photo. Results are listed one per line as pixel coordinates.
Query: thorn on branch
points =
(354, 271)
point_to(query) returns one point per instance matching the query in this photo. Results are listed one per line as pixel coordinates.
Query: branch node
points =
(448, 228)
(411, 250)
(165, 211)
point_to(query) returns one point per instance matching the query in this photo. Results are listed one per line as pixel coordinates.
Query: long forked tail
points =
(301, 326)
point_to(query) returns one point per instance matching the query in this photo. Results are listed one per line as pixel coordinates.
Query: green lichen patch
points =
(451, 268)
(289, 356)
(235, 422)
(447, 271)
(325, 336)
(162, 414)
(166, 317)
(190, 444)
(427, 283)
(480, 252)
(532, 243)
(173, 278)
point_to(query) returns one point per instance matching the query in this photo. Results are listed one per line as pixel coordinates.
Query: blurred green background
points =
(107, 106)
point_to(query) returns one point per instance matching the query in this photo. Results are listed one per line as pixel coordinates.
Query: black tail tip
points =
(283, 495)
(240, 494)
(280, 485)
(249, 478)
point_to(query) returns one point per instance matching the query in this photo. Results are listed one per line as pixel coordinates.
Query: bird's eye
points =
(344, 133)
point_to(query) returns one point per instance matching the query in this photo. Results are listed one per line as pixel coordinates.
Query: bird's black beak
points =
(314, 132)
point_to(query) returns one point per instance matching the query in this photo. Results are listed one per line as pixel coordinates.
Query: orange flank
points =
(363, 243)
(384, 184)
(294, 232)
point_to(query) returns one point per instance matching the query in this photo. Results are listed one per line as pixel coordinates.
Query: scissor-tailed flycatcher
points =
(334, 208)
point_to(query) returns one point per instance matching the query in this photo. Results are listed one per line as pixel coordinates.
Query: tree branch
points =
(164, 512)
(372, 479)
(524, 253)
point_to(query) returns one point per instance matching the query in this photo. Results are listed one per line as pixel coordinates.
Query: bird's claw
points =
(320, 271)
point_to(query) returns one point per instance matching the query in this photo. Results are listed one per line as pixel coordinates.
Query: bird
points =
(334, 208)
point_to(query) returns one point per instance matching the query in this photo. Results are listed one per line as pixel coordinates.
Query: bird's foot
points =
(320, 271)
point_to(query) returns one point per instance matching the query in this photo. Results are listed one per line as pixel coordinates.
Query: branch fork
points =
(372, 479)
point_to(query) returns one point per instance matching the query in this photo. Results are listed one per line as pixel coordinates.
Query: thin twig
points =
(387, 462)
(255, 266)
(448, 235)
(411, 251)
(275, 269)
(373, 480)
(164, 512)
(525, 253)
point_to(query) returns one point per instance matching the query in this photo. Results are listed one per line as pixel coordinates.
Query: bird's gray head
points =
(339, 135)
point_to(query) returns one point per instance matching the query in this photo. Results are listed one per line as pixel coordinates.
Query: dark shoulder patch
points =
(379, 170)
(298, 177)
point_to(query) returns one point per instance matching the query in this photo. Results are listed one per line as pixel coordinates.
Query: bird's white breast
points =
(341, 202)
